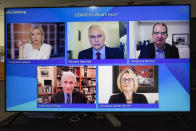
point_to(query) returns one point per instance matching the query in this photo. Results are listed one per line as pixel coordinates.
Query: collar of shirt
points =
(65, 96)
(102, 53)
(159, 53)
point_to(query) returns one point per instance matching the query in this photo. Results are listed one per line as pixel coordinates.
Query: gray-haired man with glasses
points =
(98, 49)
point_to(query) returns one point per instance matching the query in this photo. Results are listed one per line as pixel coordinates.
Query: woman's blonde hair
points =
(130, 72)
(42, 33)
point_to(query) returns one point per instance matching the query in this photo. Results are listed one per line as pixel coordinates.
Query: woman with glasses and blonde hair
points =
(128, 85)
(36, 49)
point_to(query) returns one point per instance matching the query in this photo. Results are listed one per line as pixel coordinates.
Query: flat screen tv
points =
(98, 59)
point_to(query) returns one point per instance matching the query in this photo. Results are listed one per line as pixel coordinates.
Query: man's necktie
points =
(68, 99)
(98, 55)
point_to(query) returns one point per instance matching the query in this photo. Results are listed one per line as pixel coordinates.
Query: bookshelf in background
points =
(45, 83)
(85, 77)
(86, 80)
(44, 93)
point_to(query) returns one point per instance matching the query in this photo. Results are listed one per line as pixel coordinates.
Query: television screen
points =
(100, 59)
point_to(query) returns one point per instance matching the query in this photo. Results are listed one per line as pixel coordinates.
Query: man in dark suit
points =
(67, 96)
(99, 50)
(159, 49)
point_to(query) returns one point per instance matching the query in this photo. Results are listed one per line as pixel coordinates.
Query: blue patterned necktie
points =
(68, 99)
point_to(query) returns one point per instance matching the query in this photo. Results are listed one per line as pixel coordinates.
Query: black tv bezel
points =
(114, 112)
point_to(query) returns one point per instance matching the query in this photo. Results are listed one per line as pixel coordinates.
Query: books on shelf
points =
(86, 83)
(47, 89)
(88, 72)
(44, 99)
(91, 73)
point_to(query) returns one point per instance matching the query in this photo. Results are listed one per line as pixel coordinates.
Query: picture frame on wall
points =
(44, 73)
(180, 39)
(147, 77)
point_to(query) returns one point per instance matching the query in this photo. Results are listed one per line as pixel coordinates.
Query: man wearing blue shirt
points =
(67, 96)
(159, 49)
(99, 50)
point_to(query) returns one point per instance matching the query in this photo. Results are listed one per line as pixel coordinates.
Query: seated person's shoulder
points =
(170, 46)
(85, 50)
(57, 97)
(46, 46)
(148, 46)
(173, 50)
(113, 48)
(77, 94)
(80, 98)
(115, 53)
(140, 98)
(59, 93)
(85, 54)
(147, 51)
(139, 95)
(115, 98)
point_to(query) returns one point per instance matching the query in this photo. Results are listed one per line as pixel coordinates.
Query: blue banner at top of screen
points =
(93, 13)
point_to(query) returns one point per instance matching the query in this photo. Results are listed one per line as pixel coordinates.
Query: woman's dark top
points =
(120, 98)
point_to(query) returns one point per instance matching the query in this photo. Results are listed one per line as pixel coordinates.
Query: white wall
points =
(144, 28)
(104, 83)
(111, 30)
(132, 39)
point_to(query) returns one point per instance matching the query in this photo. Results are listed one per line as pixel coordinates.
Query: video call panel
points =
(97, 61)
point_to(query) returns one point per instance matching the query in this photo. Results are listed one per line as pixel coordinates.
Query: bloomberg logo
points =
(16, 12)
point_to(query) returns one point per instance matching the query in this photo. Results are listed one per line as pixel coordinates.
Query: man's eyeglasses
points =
(98, 36)
(129, 80)
(68, 82)
(162, 33)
